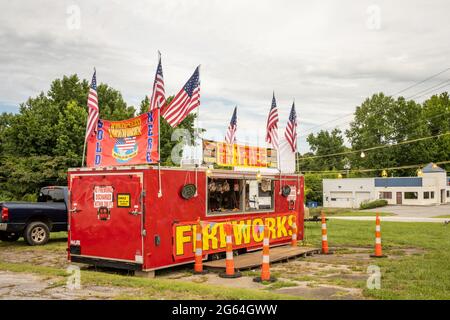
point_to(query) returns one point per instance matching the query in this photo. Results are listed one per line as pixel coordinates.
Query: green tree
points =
(384, 121)
(71, 129)
(36, 129)
(314, 186)
(21, 177)
(5, 121)
(111, 104)
(144, 105)
(32, 131)
(69, 88)
(46, 137)
(324, 143)
(436, 112)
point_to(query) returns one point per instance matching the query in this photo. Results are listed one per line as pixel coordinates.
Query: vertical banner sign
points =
(126, 142)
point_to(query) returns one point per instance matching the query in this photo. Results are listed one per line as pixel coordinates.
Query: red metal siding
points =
(160, 214)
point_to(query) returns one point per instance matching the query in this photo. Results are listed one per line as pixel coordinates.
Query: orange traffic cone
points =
(325, 249)
(265, 267)
(229, 262)
(378, 250)
(294, 233)
(198, 265)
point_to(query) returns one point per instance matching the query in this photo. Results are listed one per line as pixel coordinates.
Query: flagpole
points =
(196, 134)
(84, 147)
(85, 139)
(159, 154)
(297, 160)
(159, 141)
(85, 134)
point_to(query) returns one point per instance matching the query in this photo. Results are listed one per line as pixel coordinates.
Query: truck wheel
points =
(9, 236)
(37, 233)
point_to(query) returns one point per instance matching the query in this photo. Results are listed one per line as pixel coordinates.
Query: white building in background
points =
(431, 188)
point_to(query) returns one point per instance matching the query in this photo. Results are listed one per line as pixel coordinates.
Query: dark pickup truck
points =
(35, 220)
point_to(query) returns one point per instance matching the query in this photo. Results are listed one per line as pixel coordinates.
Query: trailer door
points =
(106, 216)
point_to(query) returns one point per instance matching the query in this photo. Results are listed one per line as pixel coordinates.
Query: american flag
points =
(230, 137)
(158, 96)
(272, 125)
(126, 144)
(92, 103)
(291, 129)
(185, 101)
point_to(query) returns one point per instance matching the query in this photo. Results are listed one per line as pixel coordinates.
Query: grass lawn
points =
(57, 242)
(443, 216)
(338, 212)
(419, 276)
(422, 274)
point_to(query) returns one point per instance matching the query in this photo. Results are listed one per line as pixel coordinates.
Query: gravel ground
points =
(20, 286)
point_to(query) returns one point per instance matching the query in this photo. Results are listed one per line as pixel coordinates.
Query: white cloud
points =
(320, 53)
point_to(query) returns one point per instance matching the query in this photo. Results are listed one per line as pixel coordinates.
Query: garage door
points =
(361, 197)
(341, 199)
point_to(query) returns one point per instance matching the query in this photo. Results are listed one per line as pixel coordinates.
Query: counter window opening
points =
(239, 195)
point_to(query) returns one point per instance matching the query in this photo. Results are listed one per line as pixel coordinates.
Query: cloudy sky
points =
(328, 55)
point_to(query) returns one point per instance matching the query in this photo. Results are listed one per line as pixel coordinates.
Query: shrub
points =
(6, 196)
(373, 204)
(30, 197)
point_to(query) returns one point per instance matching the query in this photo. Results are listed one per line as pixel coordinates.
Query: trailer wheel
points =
(37, 233)
(9, 236)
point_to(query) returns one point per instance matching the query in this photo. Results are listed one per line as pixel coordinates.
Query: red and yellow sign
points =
(247, 232)
(236, 155)
(127, 142)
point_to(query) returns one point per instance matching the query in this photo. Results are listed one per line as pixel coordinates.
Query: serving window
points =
(239, 195)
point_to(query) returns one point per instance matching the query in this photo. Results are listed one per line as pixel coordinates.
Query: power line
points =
(431, 89)
(422, 81)
(321, 125)
(375, 148)
(403, 90)
(411, 124)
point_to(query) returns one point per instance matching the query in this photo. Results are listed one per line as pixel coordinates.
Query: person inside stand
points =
(224, 195)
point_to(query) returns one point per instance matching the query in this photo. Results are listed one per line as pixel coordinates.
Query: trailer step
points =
(253, 259)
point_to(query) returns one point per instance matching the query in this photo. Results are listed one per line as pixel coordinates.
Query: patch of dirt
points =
(19, 286)
(214, 279)
(38, 257)
(399, 253)
(323, 292)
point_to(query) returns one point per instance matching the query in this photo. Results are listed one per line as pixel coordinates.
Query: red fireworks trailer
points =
(142, 218)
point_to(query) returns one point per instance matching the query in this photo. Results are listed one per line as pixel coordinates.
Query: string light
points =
(373, 148)
(376, 169)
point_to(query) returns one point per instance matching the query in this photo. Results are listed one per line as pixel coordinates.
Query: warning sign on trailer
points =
(123, 200)
(103, 196)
